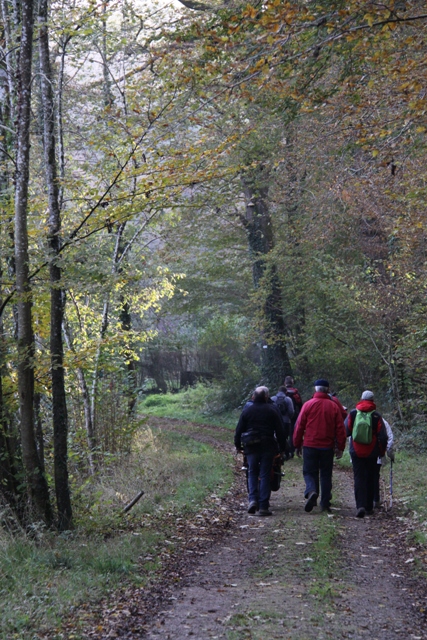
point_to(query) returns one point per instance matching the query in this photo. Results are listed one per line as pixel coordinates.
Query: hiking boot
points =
(253, 507)
(325, 509)
(265, 512)
(360, 513)
(311, 502)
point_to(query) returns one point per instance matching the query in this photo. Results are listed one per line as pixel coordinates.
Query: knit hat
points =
(367, 395)
(321, 383)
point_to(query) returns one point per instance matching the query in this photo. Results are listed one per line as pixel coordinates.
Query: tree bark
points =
(36, 480)
(259, 229)
(57, 295)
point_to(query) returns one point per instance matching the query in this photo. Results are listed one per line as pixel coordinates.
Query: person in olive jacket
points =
(260, 432)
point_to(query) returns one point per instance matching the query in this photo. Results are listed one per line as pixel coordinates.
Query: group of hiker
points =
(318, 430)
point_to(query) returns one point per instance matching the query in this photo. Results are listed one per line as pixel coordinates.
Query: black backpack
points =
(280, 401)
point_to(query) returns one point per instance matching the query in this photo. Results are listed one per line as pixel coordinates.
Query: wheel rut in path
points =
(300, 576)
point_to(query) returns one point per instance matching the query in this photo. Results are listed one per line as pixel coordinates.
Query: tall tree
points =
(35, 477)
(57, 294)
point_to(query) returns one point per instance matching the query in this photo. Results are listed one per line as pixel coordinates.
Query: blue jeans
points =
(259, 464)
(318, 462)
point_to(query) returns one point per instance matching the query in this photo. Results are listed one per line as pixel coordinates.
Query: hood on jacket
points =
(366, 406)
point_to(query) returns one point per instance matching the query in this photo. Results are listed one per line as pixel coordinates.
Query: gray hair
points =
(321, 389)
(262, 392)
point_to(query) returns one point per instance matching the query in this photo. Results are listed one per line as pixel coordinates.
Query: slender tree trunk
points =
(104, 323)
(57, 295)
(90, 434)
(130, 364)
(36, 480)
(108, 97)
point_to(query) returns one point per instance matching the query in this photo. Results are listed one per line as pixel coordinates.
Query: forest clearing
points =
(198, 199)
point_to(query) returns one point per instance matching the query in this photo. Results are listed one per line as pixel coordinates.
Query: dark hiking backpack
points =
(280, 401)
(362, 427)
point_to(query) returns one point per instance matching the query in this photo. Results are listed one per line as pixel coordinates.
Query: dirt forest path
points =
(301, 576)
(294, 576)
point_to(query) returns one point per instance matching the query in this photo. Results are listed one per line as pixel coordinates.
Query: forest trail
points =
(301, 576)
(294, 576)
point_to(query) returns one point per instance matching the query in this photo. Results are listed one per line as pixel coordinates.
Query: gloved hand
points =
(338, 454)
(298, 451)
(390, 454)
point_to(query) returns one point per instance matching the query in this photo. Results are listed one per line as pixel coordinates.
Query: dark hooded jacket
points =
(263, 418)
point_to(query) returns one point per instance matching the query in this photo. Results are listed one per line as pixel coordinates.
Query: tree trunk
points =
(57, 295)
(90, 434)
(130, 364)
(36, 480)
(9, 481)
(257, 221)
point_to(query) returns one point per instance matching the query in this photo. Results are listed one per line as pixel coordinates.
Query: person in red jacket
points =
(364, 456)
(320, 428)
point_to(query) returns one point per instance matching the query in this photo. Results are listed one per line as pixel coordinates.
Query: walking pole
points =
(391, 484)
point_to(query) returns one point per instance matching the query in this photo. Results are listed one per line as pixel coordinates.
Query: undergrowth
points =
(201, 403)
(45, 578)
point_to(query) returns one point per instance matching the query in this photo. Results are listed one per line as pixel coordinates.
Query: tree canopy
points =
(230, 192)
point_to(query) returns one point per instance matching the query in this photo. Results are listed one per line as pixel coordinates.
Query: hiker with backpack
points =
(259, 432)
(333, 396)
(294, 395)
(368, 441)
(320, 432)
(286, 409)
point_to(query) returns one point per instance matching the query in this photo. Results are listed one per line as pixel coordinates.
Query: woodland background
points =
(218, 193)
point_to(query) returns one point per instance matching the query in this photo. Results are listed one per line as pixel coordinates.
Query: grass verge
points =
(45, 579)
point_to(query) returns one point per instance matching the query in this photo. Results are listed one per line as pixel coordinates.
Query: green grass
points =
(410, 491)
(44, 580)
(199, 404)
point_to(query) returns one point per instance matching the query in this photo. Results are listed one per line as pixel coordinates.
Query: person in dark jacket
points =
(260, 432)
(285, 407)
(320, 428)
(294, 395)
(364, 456)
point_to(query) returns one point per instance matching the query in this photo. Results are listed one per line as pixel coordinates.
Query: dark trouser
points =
(260, 463)
(318, 462)
(365, 474)
(291, 438)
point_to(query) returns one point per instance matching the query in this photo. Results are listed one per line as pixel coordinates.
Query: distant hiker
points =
(293, 393)
(320, 428)
(333, 397)
(259, 433)
(381, 461)
(368, 441)
(286, 408)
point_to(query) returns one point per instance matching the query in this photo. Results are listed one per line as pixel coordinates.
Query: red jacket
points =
(379, 433)
(320, 424)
